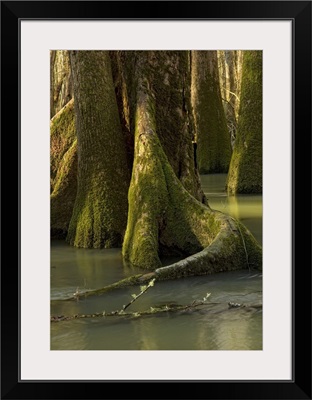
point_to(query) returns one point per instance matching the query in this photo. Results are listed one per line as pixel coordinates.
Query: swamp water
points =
(213, 327)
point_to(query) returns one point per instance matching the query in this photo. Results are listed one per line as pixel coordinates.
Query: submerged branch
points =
(158, 310)
(144, 289)
(130, 281)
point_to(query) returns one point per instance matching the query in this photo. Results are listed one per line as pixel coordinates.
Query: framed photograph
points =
(221, 332)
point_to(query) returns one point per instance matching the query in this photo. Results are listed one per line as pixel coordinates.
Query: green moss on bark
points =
(245, 173)
(213, 140)
(62, 137)
(100, 212)
(63, 172)
(170, 84)
(163, 216)
(61, 91)
(64, 193)
(233, 248)
(169, 81)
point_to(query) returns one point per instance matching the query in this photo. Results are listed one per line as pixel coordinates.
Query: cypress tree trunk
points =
(63, 148)
(245, 173)
(213, 140)
(236, 79)
(163, 216)
(100, 212)
(61, 90)
(230, 67)
(122, 71)
(169, 79)
(63, 161)
(62, 136)
(166, 211)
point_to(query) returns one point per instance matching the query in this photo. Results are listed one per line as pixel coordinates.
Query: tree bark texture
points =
(61, 90)
(100, 212)
(245, 173)
(169, 80)
(142, 103)
(63, 162)
(213, 139)
(230, 73)
(163, 216)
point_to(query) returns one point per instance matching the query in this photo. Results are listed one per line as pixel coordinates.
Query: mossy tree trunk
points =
(122, 71)
(100, 212)
(245, 173)
(213, 140)
(166, 214)
(63, 170)
(62, 136)
(163, 217)
(169, 78)
(61, 90)
(171, 81)
(63, 148)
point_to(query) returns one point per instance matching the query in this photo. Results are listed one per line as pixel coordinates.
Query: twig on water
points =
(143, 290)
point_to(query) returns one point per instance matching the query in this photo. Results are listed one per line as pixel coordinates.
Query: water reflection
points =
(211, 328)
(70, 336)
(233, 329)
(214, 327)
(246, 208)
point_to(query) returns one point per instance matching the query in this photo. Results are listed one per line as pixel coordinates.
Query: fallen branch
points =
(144, 289)
(156, 310)
(130, 281)
(153, 310)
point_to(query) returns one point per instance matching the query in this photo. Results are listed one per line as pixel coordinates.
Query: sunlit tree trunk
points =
(100, 212)
(142, 106)
(63, 169)
(213, 140)
(163, 217)
(245, 173)
(63, 148)
(230, 72)
(169, 77)
(61, 90)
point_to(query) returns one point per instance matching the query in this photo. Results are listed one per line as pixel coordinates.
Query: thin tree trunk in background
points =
(213, 140)
(245, 173)
(61, 90)
(237, 81)
(230, 73)
(100, 212)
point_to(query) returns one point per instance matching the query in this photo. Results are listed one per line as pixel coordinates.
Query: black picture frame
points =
(12, 12)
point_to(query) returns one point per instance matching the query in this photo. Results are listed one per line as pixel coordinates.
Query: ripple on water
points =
(213, 328)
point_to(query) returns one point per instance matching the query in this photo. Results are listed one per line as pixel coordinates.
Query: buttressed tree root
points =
(163, 217)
